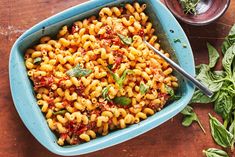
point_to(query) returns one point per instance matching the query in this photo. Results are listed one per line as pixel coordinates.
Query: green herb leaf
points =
(143, 88)
(110, 66)
(229, 40)
(60, 112)
(169, 90)
(219, 133)
(177, 40)
(120, 80)
(207, 78)
(213, 55)
(199, 97)
(37, 60)
(228, 59)
(189, 6)
(122, 100)
(223, 104)
(214, 152)
(105, 93)
(189, 117)
(78, 71)
(125, 40)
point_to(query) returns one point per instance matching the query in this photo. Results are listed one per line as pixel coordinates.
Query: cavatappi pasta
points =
(98, 75)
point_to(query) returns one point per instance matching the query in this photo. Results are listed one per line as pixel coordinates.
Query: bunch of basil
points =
(222, 83)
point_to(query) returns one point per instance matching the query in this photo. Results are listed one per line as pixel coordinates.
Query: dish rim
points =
(105, 142)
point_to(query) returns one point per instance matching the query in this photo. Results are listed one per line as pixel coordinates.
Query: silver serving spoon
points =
(198, 84)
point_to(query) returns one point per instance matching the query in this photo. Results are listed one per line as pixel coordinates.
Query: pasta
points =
(99, 76)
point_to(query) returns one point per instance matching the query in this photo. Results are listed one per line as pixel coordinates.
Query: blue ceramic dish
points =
(22, 92)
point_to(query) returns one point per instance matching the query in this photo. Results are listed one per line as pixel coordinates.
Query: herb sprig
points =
(222, 83)
(189, 6)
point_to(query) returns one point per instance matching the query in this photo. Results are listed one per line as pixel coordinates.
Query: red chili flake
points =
(80, 90)
(66, 103)
(141, 32)
(94, 57)
(116, 41)
(108, 30)
(43, 81)
(74, 29)
(63, 135)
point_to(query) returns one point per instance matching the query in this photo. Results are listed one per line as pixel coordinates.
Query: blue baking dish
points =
(22, 91)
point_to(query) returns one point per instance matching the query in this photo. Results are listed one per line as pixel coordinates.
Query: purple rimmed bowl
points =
(207, 11)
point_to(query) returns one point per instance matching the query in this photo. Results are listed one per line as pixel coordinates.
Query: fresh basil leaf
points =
(143, 88)
(105, 93)
(214, 152)
(207, 78)
(228, 59)
(189, 117)
(124, 39)
(223, 104)
(122, 100)
(60, 112)
(199, 97)
(213, 55)
(78, 71)
(229, 40)
(219, 133)
(37, 60)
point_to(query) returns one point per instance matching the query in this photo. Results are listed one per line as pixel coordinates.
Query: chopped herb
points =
(60, 112)
(105, 93)
(122, 100)
(189, 6)
(78, 71)
(143, 88)
(120, 80)
(110, 66)
(125, 40)
(37, 60)
(169, 90)
(177, 40)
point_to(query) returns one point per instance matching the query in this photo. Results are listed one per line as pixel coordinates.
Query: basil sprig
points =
(189, 117)
(189, 6)
(222, 83)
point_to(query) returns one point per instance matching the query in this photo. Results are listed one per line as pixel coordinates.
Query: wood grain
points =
(167, 140)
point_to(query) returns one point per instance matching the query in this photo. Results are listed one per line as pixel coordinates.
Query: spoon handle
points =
(198, 84)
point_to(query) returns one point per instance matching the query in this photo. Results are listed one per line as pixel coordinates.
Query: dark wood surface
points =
(168, 140)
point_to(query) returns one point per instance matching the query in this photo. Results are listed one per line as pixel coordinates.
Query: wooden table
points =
(168, 140)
